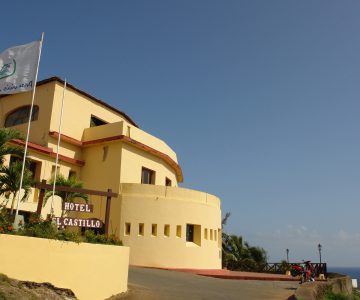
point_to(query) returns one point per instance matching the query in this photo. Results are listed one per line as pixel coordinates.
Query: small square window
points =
(167, 182)
(219, 238)
(53, 171)
(189, 232)
(141, 229)
(72, 174)
(154, 229)
(178, 231)
(127, 228)
(167, 230)
(193, 234)
(105, 152)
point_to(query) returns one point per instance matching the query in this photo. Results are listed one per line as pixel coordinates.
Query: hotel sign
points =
(82, 207)
(78, 222)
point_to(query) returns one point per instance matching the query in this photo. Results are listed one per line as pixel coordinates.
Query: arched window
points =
(21, 116)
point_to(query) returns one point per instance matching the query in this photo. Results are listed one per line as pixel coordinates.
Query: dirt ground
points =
(11, 289)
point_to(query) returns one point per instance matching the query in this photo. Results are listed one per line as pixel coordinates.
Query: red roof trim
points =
(66, 138)
(48, 151)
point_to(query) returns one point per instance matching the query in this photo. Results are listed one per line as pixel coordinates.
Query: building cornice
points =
(127, 140)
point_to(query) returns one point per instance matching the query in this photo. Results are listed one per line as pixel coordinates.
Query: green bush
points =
(3, 296)
(69, 236)
(330, 295)
(37, 227)
(5, 221)
(4, 278)
(91, 237)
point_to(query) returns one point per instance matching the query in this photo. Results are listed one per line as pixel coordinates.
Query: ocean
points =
(353, 272)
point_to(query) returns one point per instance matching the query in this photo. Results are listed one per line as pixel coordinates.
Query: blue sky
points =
(260, 100)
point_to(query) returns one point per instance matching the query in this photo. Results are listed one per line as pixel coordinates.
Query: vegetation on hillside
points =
(11, 289)
(330, 295)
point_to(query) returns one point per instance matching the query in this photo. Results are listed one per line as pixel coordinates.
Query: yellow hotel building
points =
(164, 225)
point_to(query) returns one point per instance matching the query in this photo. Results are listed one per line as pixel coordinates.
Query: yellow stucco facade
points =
(164, 225)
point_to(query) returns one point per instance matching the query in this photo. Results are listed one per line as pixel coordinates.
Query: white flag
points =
(18, 68)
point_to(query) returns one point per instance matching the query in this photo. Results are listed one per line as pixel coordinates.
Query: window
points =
(21, 116)
(205, 233)
(219, 238)
(154, 229)
(193, 234)
(147, 176)
(189, 232)
(105, 152)
(215, 232)
(127, 228)
(141, 229)
(14, 159)
(33, 166)
(211, 234)
(167, 182)
(72, 174)
(178, 231)
(95, 121)
(167, 230)
(53, 171)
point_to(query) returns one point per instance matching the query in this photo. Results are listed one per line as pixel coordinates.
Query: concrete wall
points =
(316, 290)
(172, 207)
(90, 271)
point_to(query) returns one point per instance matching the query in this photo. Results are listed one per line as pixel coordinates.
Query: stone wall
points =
(315, 290)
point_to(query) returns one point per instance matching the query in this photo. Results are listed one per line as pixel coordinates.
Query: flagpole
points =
(28, 129)
(57, 150)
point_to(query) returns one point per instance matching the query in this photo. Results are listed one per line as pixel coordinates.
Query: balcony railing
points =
(320, 268)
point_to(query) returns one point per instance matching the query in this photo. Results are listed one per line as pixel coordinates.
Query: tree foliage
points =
(10, 182)
(6, 135)
(239, 255)
(66, 196)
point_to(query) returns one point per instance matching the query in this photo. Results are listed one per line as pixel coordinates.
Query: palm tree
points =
(10, 182)
(237, 255)
(6, 135)
(66, 196)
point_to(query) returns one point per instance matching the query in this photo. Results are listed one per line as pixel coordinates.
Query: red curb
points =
(234, 275)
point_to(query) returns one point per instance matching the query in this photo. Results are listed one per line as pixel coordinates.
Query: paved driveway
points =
(153, 284)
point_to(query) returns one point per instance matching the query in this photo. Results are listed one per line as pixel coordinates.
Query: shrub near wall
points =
(91, 271)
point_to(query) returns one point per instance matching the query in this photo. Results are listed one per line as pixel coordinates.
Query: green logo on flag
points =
(7, 69)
